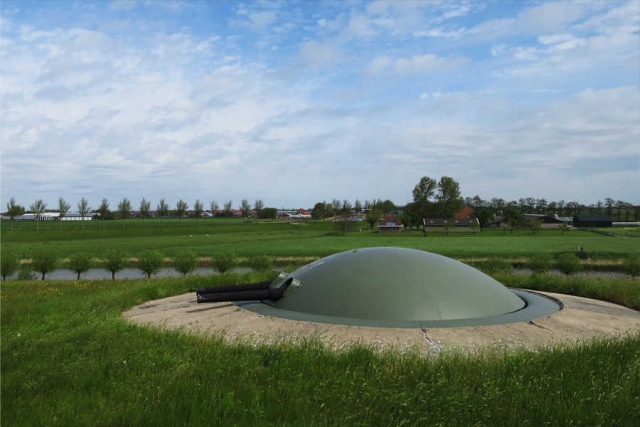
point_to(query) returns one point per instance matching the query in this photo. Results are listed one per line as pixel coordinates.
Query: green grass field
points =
(295, 240)
(69, 358)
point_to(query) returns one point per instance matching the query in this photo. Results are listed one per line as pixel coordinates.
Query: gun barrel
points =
(234, 288)
(242, 295)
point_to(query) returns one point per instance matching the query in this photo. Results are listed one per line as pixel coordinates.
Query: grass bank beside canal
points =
(68, 358)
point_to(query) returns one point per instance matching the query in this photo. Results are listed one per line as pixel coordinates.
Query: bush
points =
(26, 273)
(261, 263)
(540, 263)
(568, 263)
(582, 254)
(150, 263)
(80, 263)
(224, 262)
(44, 262)
(114, 262)
(185, 262)
(495, 265)
(9, 264)
(631, 266)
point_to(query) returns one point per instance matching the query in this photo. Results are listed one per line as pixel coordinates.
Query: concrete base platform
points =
(581, 318)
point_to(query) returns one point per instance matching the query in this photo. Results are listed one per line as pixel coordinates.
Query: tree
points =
(535, 226)
(346, 207)
(448, 197)
(414, 212)
(224, 262)
(145, 208)
(620, 206)
(424, 190)
(63, 208)
(385, 206)
(124, 207)
(103, 210)
(150, 262)
(227, 208)
(599, 205)
(8, 264)
(269, 213)
(80, 263)
(14, 209)
(609, 203)
(245, 208)
(541, 206)
(513, 217)
(44, 262)
(114, 262)
(83, 207)
(568, 263)
(38, 208)
(484, 216)
(474, 226)
(181, 208)
(372, 217)
(214, 207)
(560, 205)
(336, 204)
(318, 211)
(498, 204)
(573, 208)
(344, 222)
(258, 206)
(185, 262)
(162, 208)
(198, 208)
(357, 206)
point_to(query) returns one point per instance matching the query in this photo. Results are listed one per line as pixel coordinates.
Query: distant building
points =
(592, 221)
(454, 222)
(390, 224)
(466, 212)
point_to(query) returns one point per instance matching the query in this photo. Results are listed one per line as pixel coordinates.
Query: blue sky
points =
(296, 102)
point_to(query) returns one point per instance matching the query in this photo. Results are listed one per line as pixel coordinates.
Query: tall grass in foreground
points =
(624, 291)
(68, 358)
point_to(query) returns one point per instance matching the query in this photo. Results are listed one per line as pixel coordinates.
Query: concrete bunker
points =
(387, 287)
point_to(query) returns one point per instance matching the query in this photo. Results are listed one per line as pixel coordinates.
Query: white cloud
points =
(554, 38)
(173, 110)
(317, 54)
(552, 16)
(361, 26)
(261, 20)
(415, 64)
(123, 5)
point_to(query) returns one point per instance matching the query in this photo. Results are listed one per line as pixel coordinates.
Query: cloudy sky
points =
(295, 102)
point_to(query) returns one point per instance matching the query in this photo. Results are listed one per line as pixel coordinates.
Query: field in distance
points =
(291, 239)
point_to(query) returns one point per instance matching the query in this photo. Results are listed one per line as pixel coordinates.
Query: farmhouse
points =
(390, 224)
(592, 221)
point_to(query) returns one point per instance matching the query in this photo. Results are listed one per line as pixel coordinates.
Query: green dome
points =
(395, 284)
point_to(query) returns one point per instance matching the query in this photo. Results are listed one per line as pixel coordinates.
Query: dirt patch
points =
(580, 319)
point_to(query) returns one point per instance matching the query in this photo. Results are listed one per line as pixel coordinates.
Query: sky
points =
(296, 102)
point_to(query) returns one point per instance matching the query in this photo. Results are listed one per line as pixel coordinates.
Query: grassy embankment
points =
(68, 358)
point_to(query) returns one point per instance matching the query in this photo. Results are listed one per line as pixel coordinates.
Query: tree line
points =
(431, 199)
(125, 210)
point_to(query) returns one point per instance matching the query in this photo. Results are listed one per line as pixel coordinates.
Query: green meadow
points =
(68, 358)
(283, 239)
